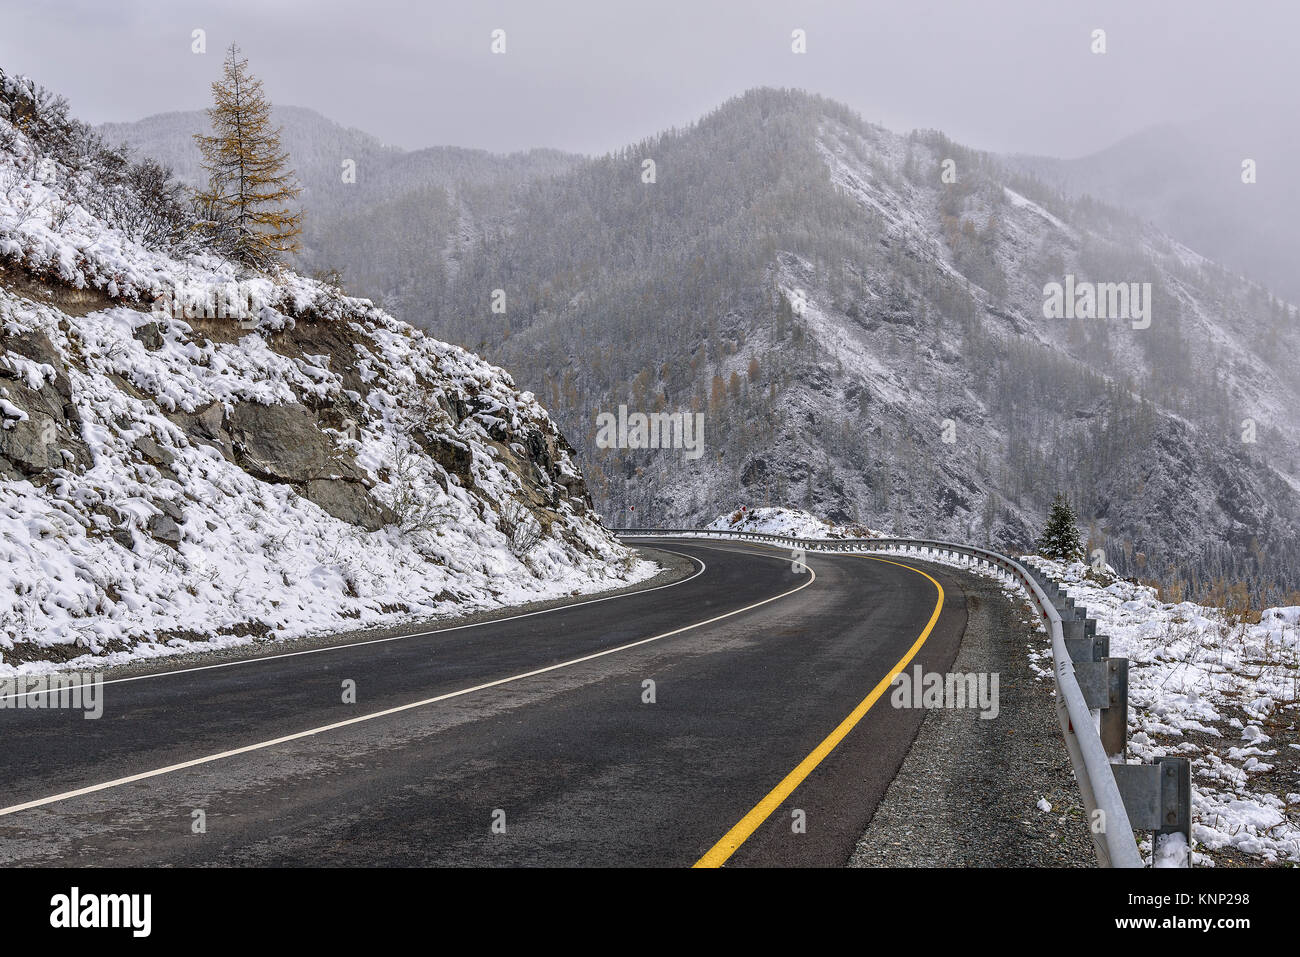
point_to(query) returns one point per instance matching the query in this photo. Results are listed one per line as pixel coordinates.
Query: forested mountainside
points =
(195, 451)
(868, 340)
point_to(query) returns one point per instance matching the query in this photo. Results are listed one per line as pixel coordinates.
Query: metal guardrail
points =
(1091, 696)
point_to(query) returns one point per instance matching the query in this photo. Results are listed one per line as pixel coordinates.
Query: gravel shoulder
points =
(673, 568)
(967, 793)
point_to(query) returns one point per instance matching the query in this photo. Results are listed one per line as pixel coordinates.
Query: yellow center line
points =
(731, 841)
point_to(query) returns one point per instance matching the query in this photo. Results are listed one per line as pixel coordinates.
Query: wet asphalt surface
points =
(525, 741)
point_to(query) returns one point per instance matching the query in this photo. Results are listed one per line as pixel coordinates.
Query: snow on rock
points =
(1171, 851)
(787, 521)
(172, 478)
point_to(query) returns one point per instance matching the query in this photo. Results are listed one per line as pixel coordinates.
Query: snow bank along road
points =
(532, 740)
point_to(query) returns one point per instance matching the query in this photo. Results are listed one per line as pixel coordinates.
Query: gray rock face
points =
(349, 501)
(36, 346)
(163, 528)
(31, 444)
(455, 457)
(153, 452)
(35, 444)
(282, 443)
(207, 426)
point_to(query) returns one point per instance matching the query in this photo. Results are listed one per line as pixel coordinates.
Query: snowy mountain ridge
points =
(914, 381)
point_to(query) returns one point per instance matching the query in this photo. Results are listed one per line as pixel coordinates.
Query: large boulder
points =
(32, 443)
(283, 443)
(36, 345)
(349, 501)
(154, 453)
(164, 528)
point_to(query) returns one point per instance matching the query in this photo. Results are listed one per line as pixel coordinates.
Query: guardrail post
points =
(1104, 683)
(1158, 797)
(1114, 718)
(1087, 647)
(1102, 679)
(1078, 626)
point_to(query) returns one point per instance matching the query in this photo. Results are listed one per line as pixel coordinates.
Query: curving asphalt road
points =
(524, 741)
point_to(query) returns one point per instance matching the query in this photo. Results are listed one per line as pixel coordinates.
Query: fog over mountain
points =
(1188, 179)
(864, 338)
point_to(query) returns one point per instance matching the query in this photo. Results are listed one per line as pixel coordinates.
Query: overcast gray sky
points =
(592, 75)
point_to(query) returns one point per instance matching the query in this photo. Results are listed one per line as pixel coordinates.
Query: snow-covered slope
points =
(170, 474)
(786, 521)
(1216, 689)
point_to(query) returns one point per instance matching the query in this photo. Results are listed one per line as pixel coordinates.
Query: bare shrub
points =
(414, 500)
(520, 528)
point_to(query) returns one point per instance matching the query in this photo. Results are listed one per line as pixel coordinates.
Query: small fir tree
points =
(1060, 539)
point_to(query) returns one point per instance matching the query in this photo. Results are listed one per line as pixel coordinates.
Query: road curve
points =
(525, 741)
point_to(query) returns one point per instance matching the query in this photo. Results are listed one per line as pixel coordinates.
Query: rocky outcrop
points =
(207, 426)
(303, 443)
(282, 443)
(285, 444)
(350, 502)
(40, 421)
(169, 471)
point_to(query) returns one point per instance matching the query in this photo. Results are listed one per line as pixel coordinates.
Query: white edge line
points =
(360, 644)
(207, 759)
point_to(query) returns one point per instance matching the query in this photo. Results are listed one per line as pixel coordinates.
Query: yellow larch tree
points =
(245, 204)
